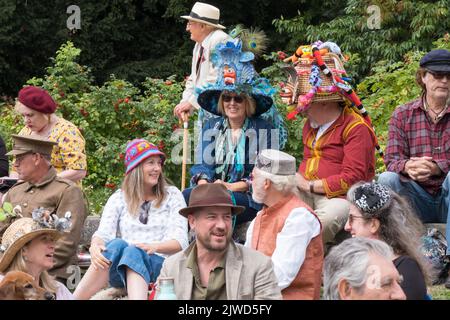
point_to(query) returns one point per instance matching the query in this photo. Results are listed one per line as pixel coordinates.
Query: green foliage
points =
(405, 26)
(6, 210)
(108, 116)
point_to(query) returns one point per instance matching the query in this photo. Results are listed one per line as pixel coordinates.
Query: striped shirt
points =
(413, 134)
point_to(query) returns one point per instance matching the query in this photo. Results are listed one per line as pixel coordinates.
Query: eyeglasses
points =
(228, 98)
(351, 218)
(143, 214)
(440, 75)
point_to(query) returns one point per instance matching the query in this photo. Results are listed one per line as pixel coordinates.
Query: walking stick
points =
(185, 118)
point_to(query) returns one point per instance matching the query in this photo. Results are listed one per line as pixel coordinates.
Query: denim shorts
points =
(123, 255)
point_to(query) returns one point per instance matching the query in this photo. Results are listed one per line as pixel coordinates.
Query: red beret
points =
(37, 99)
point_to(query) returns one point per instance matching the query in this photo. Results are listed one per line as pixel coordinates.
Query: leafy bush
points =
(108, 116)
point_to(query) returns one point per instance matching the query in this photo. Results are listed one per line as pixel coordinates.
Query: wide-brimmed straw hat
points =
(210, 195)
(205, 13)
(236, 74)
(18, 234)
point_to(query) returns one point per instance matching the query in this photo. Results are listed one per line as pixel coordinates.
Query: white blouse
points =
(164, 223)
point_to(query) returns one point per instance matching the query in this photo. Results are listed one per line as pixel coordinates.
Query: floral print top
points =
(70, 152)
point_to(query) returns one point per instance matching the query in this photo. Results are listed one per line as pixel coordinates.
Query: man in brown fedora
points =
(205, 29)
(286, 229)
(39, 186)
(213, 267)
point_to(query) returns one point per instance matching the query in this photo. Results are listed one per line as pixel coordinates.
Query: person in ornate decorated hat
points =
(338, 141)
(206, 31)
(229, 143)
(40, 186)
(28, 245)
(286, 229)
(145, 212)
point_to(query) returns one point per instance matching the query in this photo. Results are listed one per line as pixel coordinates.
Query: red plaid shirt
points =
(413, 134)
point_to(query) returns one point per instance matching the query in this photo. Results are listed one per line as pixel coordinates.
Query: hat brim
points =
(17, 152)
(234, 209)
(10, 253)
(203, 21)
(209, 100)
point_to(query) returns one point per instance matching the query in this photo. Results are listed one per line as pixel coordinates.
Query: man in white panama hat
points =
(203, 25)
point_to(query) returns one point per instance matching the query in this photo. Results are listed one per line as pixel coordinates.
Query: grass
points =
(439, 292)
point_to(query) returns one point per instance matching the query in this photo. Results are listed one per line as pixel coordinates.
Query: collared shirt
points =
(216, 289)
(163, 224)
(413, 134)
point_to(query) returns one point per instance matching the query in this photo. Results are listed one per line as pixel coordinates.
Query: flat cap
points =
(276, 162)
(436, 60)
(26, 144)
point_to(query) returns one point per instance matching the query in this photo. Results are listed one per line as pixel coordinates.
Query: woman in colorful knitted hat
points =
(145, 212)
(230, 143)
(28, 245)
(377, 212)
(37, 109)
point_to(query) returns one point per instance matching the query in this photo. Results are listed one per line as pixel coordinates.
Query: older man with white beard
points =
(286, 229)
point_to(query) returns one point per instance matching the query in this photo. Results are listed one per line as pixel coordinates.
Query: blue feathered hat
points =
(235, 74)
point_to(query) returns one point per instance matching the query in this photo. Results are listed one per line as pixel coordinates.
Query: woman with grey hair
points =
(377, 212)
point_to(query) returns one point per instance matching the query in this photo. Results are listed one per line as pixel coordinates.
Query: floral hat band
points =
(371, 197)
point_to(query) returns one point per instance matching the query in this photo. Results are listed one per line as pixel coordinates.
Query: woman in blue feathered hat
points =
(231, 142)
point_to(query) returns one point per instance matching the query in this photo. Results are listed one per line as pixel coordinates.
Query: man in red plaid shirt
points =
(418, 150)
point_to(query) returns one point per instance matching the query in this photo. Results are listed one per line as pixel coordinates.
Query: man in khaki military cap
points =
(39, 186)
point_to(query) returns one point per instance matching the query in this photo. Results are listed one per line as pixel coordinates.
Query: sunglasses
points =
(228, 98)
(143, 214)
(440, 75)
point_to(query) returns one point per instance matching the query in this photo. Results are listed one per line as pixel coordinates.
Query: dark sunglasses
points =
(440, 75)
(143, 214)
(228, 98)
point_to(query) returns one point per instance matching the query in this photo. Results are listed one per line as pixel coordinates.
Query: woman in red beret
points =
(38, 111)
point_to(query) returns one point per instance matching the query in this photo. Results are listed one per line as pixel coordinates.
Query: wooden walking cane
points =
(185, 117)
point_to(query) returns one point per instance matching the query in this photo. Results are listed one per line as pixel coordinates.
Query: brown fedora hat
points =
(210, 195)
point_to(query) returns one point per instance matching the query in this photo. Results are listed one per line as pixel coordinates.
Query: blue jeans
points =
(123, 255)
(242, 199)
(431, 209)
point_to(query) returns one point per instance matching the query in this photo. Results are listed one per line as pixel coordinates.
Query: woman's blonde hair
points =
(133, 189)
(250, 105)
(46, 281)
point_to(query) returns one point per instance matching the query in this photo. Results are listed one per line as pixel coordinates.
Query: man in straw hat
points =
(203, 25)
(28, 245)
(339, 150)
(417, 153)
(286, 229)
(41, 187)
(213, 267)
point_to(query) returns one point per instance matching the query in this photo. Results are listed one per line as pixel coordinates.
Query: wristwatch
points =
(311, 186)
